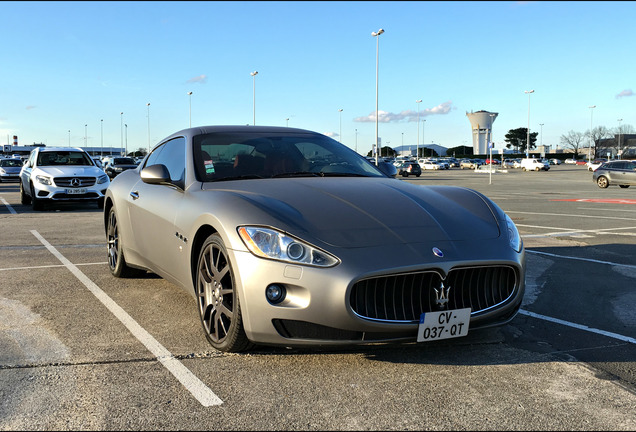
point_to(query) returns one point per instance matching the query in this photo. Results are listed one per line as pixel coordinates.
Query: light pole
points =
(417, 147)
(340, 134)
(423, 134)
(69, 137)
(126, 151)
(541, 133)
(254, 94)
(85, 136)
(356, 140)
(148, 108)
(287, 121)
(190, 98)
(492, 118)
(589, 151)
(101, 153)
(121, 146)
(528, 92)
(377, 63)
(619, 137)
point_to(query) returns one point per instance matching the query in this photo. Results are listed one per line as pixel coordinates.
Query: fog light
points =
(275, 293)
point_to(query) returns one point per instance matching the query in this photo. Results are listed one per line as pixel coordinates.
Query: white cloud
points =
(30, 107)
(625, 93)
(201, 79)
(407, 115)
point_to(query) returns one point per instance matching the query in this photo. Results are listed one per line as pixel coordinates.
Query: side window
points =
(172, 155)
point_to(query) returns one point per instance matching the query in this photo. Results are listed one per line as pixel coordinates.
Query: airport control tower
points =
(481, 124)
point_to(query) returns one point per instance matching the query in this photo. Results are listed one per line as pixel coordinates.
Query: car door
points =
(153, 209)
(630, 173)
(25, 173)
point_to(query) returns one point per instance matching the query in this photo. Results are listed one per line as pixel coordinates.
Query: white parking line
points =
(582, 259)
(48, 266)
(579, 326)
(193, 384)
(4, 201)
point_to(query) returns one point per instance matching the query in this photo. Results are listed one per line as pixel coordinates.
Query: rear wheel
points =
(116, 261)
(218, 299)
(624, 186)
(602, 182)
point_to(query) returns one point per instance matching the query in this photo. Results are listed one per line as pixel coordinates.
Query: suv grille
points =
(67, 181)
(404, 297)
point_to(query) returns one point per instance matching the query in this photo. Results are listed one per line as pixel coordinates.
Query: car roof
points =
(47, 149)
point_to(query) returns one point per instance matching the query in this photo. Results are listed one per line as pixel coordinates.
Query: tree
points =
(518, 138)
(599, 133)
(572, 141)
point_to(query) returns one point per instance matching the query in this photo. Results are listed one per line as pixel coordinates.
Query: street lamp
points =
(190, 94)
(340, 135)
(589, 151)
(69, 137)
(126, 151)
(254, 94)
(423, 134)
(377, 63)
(492, 118)
(541, 133)
(148, 107)
(121, 146)
(356, 140)
(417, 147)
(85, 137)
(287, 121)
(528, 92)
(619, 137)
(101, 153)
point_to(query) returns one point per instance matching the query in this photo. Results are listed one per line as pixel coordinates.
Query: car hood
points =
(360, 212)
(11, 170)
(68, 170)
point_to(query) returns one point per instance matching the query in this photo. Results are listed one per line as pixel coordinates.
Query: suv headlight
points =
(102, 179)
(513, 235)
(272, 244)
(44, 180)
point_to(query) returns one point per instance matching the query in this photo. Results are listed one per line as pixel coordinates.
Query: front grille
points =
(404, 297)
(66, 181)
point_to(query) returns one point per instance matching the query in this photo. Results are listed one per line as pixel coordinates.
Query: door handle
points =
(134, 195)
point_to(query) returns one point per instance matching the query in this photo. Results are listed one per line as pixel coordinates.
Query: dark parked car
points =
(118, 165)
(409, 168)
(616, 172)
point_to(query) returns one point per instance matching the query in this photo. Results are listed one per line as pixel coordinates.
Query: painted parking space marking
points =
(11, 210)
(191, 382)
(600, 200)
(581, 259)
(578, 326)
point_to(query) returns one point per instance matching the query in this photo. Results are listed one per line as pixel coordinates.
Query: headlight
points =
(269, 243)
(102, 179)
(513, 235)
(2, 171)
(44, 179)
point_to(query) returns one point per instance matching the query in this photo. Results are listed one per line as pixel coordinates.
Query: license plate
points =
(75, 191)
(443, 325)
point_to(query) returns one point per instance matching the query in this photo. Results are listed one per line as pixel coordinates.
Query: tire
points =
(417, 175)
(24, 198)
(217, 298)
(624, 186)
(100, 203)
(602, 182)
(405, 174)
(537, 169)
(36, 203)
(116, 261)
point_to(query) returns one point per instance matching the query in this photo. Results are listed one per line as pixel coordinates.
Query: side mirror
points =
(155, 174)
(388, 169)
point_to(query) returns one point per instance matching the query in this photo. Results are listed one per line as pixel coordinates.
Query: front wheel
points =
(602, 182)
(36, 203)
(218, 299)
(116, 261)
(24, 198)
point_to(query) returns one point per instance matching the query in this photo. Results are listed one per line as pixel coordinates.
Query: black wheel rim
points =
(215, 292)
(113, 241)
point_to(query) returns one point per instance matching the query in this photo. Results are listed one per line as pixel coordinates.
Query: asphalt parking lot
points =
(80, 349)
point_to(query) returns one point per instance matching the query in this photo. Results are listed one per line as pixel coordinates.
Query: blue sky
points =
(69, 64)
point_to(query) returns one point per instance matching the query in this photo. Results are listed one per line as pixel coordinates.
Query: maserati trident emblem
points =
(441, 296)
(438, 253)
(75, 182)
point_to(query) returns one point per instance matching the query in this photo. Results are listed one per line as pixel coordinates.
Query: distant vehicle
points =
(581, 162)
(494, 161)
(616, 172)
(554, 161)
(470, 163)
(592, 166)
(428, 165)
(570, 161)
(534, 164)
(54, 174)
(409, 168)
(117, 165)
(10, 170)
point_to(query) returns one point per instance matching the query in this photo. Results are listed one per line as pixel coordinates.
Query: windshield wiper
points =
(242, 177)
(299, 174)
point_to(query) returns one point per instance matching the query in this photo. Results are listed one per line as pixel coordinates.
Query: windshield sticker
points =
(209, 167)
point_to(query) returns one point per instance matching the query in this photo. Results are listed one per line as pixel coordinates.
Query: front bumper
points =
(57, 193)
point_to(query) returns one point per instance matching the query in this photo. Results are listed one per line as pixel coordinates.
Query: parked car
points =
(409, 168)
(494, 161)
(554, 161)
(285, 236)
(592, 166)
(469, 163)
(534, 164)
(570, 161)
(117, 165)
(58, 174)
(616, 172)
(428, 165)
(10, 170)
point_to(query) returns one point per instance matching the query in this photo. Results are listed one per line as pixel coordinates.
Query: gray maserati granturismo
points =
(286, 237)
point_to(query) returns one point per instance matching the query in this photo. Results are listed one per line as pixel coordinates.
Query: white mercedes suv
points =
(57, 174)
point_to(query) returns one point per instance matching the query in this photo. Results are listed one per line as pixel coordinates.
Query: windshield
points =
(63, 157)
(231, 156)
(7, 163)
(123, 161)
